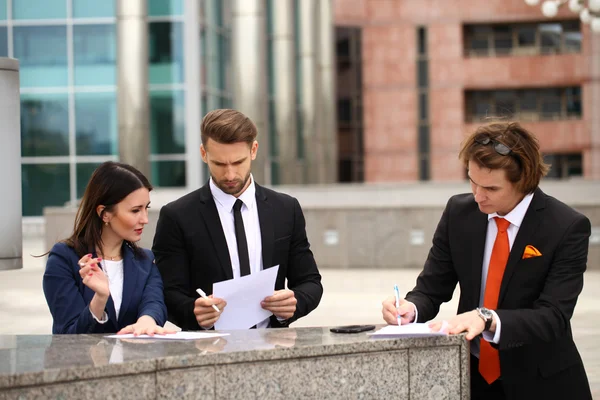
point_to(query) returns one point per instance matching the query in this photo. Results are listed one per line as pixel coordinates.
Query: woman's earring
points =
(106, 223)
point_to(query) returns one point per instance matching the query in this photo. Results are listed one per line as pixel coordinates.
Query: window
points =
(39, 9)
(44, 125)
(524, 105)
(167, 128)
(44, 185)
(162, 8)
(166, 52)
(94, 48)
(3, 42)
(349, 104)
(93, 8)
(96, 123)
(42, 54)
(522, 39)
(564, 165)
(168, 173)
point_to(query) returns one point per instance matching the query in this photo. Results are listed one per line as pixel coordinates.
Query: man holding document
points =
(519, 256)
(230, 235)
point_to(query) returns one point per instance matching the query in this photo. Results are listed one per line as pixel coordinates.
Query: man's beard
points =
(234, 190)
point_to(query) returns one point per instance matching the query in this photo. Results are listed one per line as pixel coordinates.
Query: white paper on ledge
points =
(243, 296)
(172, 336)
(409, 330)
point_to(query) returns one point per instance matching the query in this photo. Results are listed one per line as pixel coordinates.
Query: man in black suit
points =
(232, 227)
(519, 256)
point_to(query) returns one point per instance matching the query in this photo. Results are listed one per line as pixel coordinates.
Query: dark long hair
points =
(110, 183)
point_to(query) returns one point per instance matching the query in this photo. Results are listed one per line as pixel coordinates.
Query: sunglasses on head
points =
(500, 148)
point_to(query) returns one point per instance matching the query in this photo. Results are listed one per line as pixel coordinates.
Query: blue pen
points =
(397, 294)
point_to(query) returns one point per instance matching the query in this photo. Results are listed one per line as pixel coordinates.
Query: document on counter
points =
(243, 296)
(172, 336)
(409, 330)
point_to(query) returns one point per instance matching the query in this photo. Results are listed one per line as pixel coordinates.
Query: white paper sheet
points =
(409, 330)
(243, 296)
(172, 336)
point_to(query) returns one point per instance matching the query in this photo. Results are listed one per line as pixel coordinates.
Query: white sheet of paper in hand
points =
(172, 336)
(409, 330)
(243, 296)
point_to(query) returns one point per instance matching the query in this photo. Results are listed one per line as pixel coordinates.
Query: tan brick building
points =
(430, 71)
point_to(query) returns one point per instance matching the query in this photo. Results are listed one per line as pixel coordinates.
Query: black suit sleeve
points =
(173, 263)
(436, 283)
(302, 275)
(549, 317)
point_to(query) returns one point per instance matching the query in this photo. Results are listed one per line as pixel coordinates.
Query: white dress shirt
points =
(114, 271)
(515, 217)
(224, 203)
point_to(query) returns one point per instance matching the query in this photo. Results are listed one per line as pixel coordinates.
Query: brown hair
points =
(524, 165)
(227, 126)
(110, 183)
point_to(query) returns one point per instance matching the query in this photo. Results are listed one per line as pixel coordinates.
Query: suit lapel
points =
(526, 231)
(267, 232)
(209, 212)
(130, 276)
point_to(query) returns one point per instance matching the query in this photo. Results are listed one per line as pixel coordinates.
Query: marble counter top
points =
(49, 359)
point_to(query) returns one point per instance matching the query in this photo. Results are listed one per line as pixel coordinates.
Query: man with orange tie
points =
(519, 256)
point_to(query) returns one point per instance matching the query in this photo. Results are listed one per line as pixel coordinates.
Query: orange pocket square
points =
(530, 252)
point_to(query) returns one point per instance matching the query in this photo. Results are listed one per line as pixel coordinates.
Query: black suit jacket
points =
(191, 252)
(537, 295)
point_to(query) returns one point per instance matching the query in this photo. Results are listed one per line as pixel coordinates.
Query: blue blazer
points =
(68, 298)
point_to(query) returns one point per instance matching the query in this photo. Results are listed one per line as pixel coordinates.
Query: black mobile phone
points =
(352, 328)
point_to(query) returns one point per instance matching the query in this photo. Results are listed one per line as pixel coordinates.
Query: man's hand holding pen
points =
(405, 310)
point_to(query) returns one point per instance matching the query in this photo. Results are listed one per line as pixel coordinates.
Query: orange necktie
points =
(489, 362)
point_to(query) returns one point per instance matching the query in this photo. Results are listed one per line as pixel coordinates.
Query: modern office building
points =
(341, 90)
(258, 56)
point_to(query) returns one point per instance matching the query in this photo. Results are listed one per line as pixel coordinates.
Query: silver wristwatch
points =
(487, 317)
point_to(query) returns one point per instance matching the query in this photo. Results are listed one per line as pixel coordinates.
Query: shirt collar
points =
(515, 217)
(248, 197)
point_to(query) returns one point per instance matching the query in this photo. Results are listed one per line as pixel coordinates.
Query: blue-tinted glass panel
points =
(166, 52)
(2, 10)
(167, 122)
(39, 9)
(42, 53)
(44, 125)
(84, 173)
(168, 173)
(95, 54)
(159, 8)
(96, 124)
(93, 8)
(44, 185)
(3, 42)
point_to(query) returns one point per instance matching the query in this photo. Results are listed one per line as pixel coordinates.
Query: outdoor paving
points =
(350, 297)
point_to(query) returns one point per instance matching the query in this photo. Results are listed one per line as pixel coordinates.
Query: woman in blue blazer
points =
(98, 280)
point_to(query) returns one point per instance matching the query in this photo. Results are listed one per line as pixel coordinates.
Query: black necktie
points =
(240, 236)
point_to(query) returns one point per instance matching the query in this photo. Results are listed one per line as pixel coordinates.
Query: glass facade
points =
(44, 185)
(160, 8)
(42, 54)
(44, 125)
(93, 9)
(67, 51)
(94, 54)
(166, 52)
(96, 124)
(39, 9)
(2, 10)
(3, 41)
